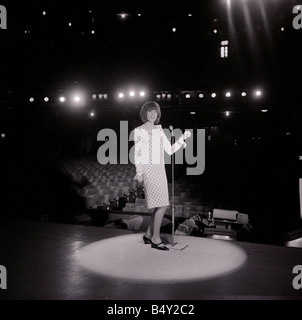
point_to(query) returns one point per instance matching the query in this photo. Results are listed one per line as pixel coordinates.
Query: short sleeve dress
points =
(150, 145)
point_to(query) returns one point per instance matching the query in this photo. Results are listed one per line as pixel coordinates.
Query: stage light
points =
(123, 15)
(139, 14)
(173, 29)
(142, 93)
(46, 99)
(227, 113)
(77, 98)
(105, 96)
(121, 95)
(2, 135)
(201, 95)
(215, 31)
(264, 110)
(31, 99)
(131, 93)
(190, 15)
(92, 32)
(188, 96)
(228, 94)
(213, 95)
(92, 114)
(243, 94)
(169, 96)
(69, 24)
(282, 29)
(258, 93)
(44, 13)
(158, 96)
(192, 112)
(62, 99)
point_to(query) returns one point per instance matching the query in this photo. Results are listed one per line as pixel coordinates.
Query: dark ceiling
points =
(89, 45)
(43, 52)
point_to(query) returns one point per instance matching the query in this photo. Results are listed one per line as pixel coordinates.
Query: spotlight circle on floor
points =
(127, 258)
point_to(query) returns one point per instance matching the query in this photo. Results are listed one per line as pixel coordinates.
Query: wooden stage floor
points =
(40, 264)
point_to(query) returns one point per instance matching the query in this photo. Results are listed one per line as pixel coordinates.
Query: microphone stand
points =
(172, 172)
(174, 245)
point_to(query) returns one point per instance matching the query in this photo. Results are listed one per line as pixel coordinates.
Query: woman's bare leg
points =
(149, 232)
(157, 221)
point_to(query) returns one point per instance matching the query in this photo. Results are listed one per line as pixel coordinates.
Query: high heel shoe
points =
(146, 240)
(158, 246)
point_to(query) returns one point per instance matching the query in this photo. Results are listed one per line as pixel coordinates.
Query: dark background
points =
(252, 158)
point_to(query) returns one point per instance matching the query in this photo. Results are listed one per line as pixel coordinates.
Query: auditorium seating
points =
(111, 188)
(99, 185)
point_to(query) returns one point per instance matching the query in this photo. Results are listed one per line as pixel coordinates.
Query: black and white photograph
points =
(151, 153)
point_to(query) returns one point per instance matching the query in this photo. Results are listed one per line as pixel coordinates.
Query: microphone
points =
(187, 135)
(171, 129)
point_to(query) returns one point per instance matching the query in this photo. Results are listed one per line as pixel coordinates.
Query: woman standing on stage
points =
(150, 144)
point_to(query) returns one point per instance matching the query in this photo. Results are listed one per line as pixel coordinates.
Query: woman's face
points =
(151, 115)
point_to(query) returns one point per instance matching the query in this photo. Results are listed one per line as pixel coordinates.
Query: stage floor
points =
(52, 261)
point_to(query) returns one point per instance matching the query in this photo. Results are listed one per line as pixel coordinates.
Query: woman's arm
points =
(170, 149)
(138, 155)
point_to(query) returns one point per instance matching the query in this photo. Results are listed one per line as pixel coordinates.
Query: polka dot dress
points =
(149, 160)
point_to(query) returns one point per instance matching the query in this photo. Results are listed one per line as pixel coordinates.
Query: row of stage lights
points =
(80, 98)
(228, 94)
(140, 95)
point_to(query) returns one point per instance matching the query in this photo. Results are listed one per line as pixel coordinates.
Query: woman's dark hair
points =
(150, 105)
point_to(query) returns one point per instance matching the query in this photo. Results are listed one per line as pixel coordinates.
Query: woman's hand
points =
(139, 178)
(186, 135)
